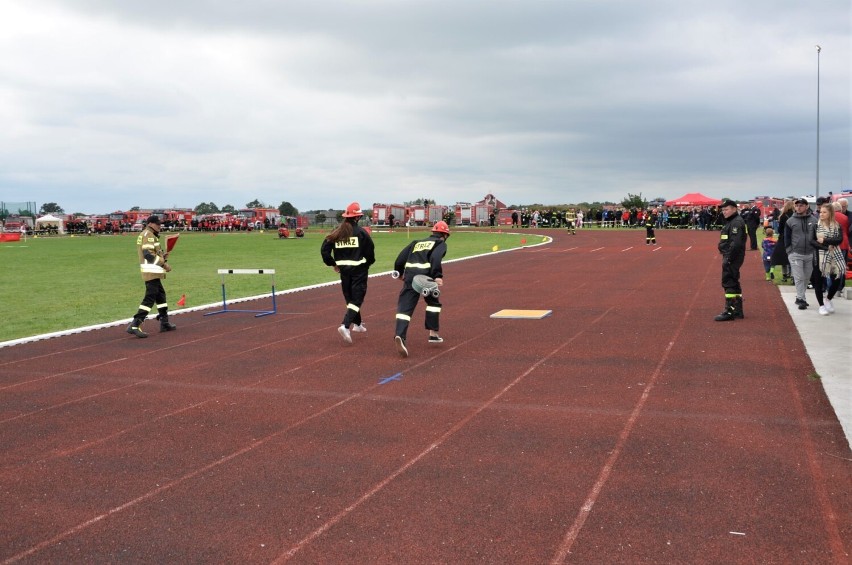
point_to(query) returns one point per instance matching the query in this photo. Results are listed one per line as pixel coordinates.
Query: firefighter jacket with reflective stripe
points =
(358, 252)
(733, 238)
(151, 256)
(422, 258)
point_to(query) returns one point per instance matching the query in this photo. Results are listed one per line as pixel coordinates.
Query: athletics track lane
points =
(627, 427)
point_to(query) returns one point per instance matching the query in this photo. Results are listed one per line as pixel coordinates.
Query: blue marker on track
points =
(395, 377)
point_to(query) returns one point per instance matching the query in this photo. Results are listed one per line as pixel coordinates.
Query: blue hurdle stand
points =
(258, 313)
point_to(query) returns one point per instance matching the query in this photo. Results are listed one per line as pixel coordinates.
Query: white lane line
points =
(572, 534)
(290, 553)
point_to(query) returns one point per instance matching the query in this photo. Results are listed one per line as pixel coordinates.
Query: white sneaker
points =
(400, 346)
(829, 306)
(359, 329)
(344, 333)
(823, 311)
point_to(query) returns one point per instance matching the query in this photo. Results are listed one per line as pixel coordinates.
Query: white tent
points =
(49, 221)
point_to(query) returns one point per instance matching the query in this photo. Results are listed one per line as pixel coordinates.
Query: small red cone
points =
(182, 301)
(524, 241)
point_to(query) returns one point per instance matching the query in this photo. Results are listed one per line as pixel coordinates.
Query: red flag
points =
(171, 241)
(182, 301)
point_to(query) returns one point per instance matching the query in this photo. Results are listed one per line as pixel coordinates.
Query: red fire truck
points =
(259, 217)
(179, 215)
(425, 215)
(480, 214)
(767, 203)
(134, 216)
(383, 212)
(464, 214)
(436, 213)
(418, 215)
(14, 223)
(504, 216)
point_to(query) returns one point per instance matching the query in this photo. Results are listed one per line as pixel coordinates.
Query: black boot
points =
(165, 325)
(135, 328)
(738, 307)
(728, 312)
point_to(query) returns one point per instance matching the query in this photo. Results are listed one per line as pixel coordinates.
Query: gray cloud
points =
(111, 105)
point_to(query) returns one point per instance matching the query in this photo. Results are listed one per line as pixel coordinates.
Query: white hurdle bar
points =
(258, 313)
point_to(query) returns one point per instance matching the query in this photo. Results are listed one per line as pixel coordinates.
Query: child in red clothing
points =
(768, 246)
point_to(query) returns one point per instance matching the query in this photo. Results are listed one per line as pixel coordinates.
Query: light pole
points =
(818, 48)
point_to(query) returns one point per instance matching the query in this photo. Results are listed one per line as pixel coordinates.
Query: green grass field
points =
(50, 284)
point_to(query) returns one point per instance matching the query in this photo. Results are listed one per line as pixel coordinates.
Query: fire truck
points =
(14, 223)
(504, 216)
(179, 215)
(464, 214)
(295, 221)
(480, 214)
(98, 224)
(132, 216)
(418, 215)
(436, 213)
(424, 215)
(260, 217)
(767, 203)
(383, 212)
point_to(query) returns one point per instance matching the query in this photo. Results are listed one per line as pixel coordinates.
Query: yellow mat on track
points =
(522, 314)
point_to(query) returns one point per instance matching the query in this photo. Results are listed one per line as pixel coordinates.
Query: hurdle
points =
(258, 313)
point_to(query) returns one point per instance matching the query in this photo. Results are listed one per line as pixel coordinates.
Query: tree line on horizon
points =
(287, 209)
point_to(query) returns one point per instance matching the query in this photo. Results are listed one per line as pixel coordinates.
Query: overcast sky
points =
(107, 104)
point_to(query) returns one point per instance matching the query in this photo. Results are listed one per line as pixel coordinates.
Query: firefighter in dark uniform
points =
(650, 221)
(732, 246)
(350, 250)
(752, 220)
(152, 263)
(420, 258)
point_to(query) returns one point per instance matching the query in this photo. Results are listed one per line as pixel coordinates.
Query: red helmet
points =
(353, 211)
(441, 227)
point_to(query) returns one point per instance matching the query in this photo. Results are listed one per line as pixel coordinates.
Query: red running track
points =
(628, 427)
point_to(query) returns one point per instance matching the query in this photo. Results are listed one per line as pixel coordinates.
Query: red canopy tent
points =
(694, 199)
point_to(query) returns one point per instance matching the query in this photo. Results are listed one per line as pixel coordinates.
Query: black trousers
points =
(155, 296)
(354, 285)
(649, 235)
(821, 285)
(731, 275)
(752, 236)
(408, 298)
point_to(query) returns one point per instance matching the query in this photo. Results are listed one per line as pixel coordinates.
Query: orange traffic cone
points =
(182, 301)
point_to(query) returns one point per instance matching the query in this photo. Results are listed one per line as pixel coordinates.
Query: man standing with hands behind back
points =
(732, 247)
(752, 219)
